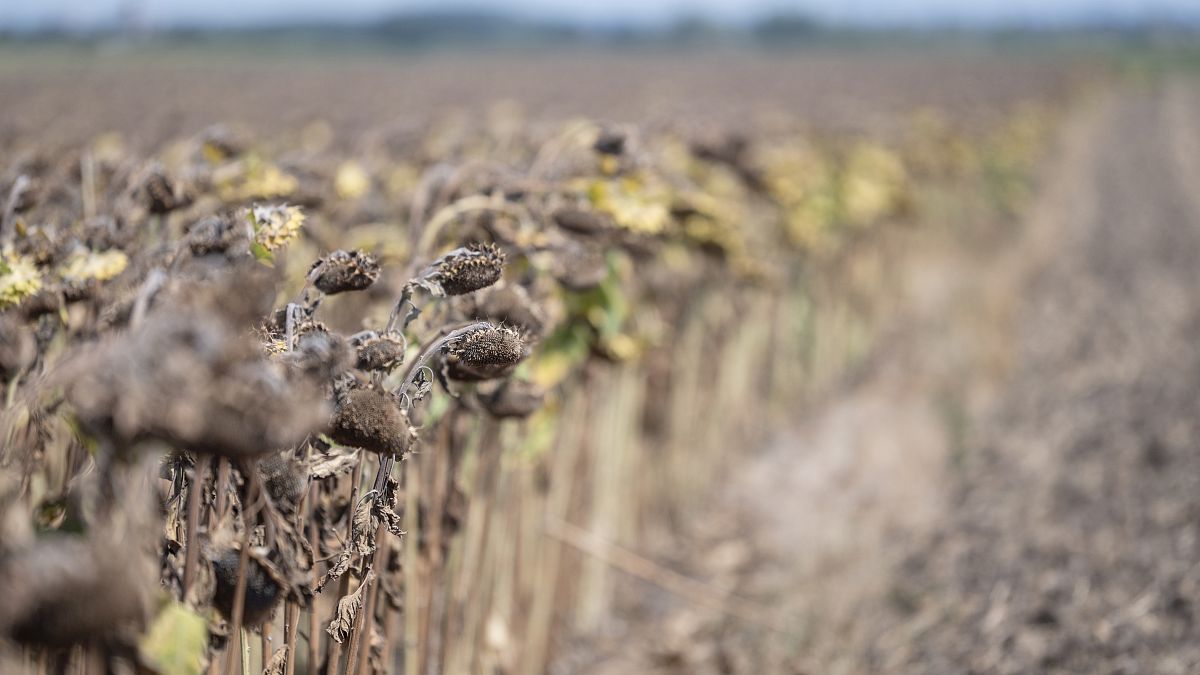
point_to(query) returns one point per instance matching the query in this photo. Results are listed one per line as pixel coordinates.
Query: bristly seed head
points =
(343, 271)
(382, 353)
(371, 419)
(485, 354)
(492, 346)
(466, 270)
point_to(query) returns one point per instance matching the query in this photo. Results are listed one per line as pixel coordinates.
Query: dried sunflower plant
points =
(255, 423)
(257, 416)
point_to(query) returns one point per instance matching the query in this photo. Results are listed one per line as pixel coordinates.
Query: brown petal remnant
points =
(372, 419)
(382, 353)
(344, 271)
(68, 590)
(465, 270)
(263, 592)
(485, 353)
(513, 399)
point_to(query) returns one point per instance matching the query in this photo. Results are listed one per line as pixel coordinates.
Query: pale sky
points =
(91, 13)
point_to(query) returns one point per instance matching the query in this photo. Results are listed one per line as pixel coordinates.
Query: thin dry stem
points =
(192, 556)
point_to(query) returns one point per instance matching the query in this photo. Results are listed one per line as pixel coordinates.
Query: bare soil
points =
(1015, 486)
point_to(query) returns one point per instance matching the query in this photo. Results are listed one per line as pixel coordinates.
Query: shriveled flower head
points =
(86, 266)
(319, 355)
(191, 375)
(263, 591)
(66, 590)
(465, 270)
(217, 234)
(609, 142)
(372, 419)
(343, 271)
(161, 193)
(284, 477)
(382, 353)
(485, 353)
(19, 279)
(275, 226)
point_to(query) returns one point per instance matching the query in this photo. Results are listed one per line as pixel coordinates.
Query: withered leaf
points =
(347, 610)
(277, 662)
(339, 568)
(341, 460)
(363, 537)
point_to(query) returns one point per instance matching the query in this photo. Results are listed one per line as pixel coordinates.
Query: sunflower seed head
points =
(467, 270)
(488, 348)
(383, 353)
(343, 271)
(262, 592)
(373, 420)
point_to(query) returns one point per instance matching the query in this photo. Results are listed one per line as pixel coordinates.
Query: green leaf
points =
(261, 253)
(176, 641)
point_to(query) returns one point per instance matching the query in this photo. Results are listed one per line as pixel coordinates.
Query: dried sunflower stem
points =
(192, 556)
(367, 616)
(360, 626)
(426, 236)
(414, 370)
(239, 593)
(412, 613)
(291, 620)
(385, 463)
(335, 649)
(222, 487)
(264, 645)
(405, 299)
(314, 540)
(448, 213)
(244, 637)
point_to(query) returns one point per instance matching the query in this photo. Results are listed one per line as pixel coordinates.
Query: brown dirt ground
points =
(1015, 487)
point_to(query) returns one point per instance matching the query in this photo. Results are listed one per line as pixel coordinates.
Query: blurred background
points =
(864, 336)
